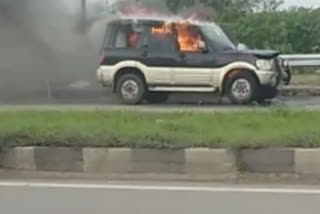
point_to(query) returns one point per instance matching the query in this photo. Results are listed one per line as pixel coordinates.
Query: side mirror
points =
(242, 47)
(202, 46)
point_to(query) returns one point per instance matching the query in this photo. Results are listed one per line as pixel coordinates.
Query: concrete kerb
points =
(61, 159)
(20, 158)
(187, 162)
(307, 161)
(212, 161)
(102, 160)
(267, 160)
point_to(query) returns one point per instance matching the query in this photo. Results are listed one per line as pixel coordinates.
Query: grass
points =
(274, 128)
(306, 79)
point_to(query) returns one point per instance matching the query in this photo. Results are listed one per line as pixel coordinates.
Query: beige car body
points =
(192, 79)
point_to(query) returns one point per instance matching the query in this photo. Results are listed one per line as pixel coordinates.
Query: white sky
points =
(306, 3)
(288, 3)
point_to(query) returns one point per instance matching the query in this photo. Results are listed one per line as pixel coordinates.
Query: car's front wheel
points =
(266, 93)
(241, 87)
(131, 89)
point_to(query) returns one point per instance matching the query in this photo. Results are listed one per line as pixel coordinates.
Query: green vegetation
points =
(274, 128)
(306, 79)
(294, 31)
(258, 23)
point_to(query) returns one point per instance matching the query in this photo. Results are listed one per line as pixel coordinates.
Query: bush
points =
(294, 31)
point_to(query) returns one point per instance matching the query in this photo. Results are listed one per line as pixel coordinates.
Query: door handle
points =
(144, 53)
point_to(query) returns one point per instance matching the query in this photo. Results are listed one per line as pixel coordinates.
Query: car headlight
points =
(264, 65)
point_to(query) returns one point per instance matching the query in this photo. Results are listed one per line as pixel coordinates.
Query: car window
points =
(121, 39)
(161, 38)
(107, 42)
(128, 37)
(190, 39)
(161, 42)
(217, 37)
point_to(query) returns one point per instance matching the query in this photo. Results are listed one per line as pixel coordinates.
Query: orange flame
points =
(164, 29)
(188, 41)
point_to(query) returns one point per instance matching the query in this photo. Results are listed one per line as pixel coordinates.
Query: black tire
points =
(266, 93)
(246, 84)
(131, 82)
(157, 97)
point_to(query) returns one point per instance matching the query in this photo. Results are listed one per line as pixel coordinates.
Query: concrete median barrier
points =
(18, 158)
(58, 159)
(267, 160)
(158, 161)
(216, 161)
(191, 162)
(101, 160)
(307, 161)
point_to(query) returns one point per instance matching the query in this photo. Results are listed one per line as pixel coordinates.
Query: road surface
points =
(121, 198)
(300, 103)
(181, 104)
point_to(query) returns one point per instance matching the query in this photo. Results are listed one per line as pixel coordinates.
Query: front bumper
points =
(281, 74)
(268, 78)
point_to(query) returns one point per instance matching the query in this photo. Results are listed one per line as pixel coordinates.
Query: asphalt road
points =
(176, 103)
(82, 198)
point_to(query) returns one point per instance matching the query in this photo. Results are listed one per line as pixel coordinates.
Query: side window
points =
(190, 39)
(107, 41)
(161, 38)
(120, 38)
(127, 37)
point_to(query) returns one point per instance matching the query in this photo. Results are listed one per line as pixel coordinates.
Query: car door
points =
(159, 55)
(195, 68)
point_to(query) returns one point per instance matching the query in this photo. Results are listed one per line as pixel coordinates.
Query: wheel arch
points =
(127, 70)
(234, 71)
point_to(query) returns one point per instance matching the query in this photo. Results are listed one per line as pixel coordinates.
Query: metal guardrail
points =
(302, 60)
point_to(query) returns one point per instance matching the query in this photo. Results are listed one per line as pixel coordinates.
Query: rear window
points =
(125, 36)
(107, 37)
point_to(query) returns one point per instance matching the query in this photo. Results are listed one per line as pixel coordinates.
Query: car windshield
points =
(217, 37)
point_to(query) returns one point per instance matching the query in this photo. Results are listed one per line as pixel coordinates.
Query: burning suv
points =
(148, 59)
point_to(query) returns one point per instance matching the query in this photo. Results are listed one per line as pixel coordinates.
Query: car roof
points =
(156, 21)
(137, 21)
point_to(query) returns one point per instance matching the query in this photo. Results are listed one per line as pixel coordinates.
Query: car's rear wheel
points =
(157, 97)
(241, 87)
(130, 89)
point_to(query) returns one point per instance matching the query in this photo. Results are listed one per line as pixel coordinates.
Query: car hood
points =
(264, 54)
